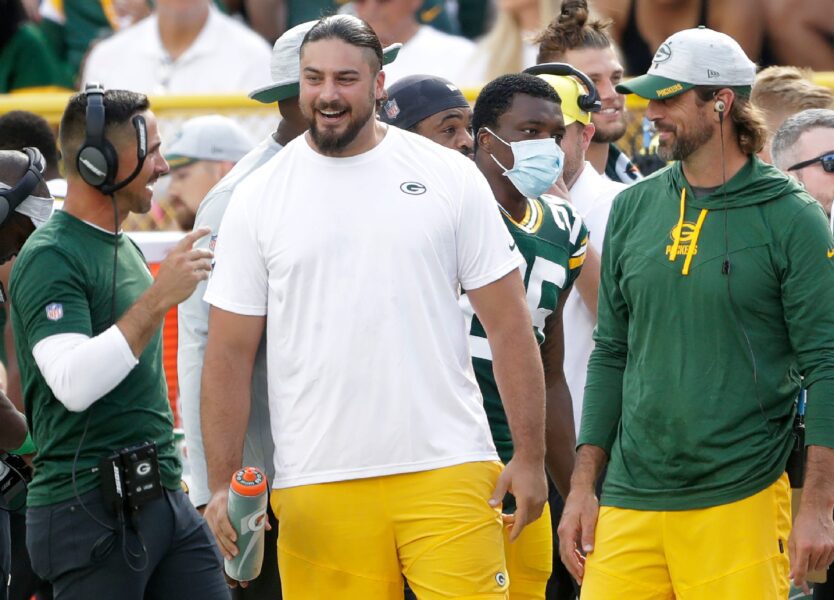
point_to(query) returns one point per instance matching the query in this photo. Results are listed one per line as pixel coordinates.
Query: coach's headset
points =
(11, 198)
(97, 161)
(589, 102)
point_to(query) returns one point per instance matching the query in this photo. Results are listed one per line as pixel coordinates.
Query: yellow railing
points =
(51, 105)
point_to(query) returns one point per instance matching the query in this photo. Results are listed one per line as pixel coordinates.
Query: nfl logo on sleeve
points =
(54, 311)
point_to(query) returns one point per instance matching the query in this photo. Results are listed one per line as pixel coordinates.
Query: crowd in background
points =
(470, 41)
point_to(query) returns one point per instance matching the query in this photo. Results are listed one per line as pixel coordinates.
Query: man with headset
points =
(106, 512)
(24, 205)
(716, 287)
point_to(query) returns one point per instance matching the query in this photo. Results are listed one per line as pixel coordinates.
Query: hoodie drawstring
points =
(693, 242)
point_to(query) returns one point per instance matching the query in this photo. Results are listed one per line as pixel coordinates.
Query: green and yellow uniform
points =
(552, 239)
(62, 283)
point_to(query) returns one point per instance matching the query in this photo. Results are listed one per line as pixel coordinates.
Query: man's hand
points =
(576, 530)
(182, 270)
(811, 545)
(526, 481)
(217, 517)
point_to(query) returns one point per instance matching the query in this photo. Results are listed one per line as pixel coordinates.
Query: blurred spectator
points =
(640, 26)
(440, 14)
(510, 45)
(801, 33)
(27, 63)
(205, 149)
(20, 129)
(185, 47)
(432, 107)
(71, 25)
(264, 16)
(803, 148)
(585, 44)
(780, 92)
(425, 49)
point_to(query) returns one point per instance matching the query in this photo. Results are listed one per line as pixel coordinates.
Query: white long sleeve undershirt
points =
(79, 369)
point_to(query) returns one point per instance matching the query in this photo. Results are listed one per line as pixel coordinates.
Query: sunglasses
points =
(826, 159)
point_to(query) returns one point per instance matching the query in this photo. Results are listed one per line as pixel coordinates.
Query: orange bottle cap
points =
(249, 481)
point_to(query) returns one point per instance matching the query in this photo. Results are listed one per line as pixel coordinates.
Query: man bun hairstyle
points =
(351, 30)
(572, 30)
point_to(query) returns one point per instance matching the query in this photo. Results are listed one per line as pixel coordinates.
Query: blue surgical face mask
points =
(537, 164)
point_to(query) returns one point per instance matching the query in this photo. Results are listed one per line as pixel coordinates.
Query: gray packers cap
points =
(693, 57)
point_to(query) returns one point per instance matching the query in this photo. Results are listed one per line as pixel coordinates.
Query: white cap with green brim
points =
(693, 57)
(208, 137)
(285, 68)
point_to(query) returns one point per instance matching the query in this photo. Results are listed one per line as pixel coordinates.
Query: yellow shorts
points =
(530, 559)
(356, 539)
(736, 550)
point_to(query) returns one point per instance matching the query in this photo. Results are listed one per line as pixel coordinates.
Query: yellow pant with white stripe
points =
(735, 550)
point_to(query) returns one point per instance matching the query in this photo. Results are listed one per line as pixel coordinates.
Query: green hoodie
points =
(692, 383)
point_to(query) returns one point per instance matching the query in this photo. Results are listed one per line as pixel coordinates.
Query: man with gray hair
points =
(803, 148)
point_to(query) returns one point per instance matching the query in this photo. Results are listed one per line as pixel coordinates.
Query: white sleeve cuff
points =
(66, 361)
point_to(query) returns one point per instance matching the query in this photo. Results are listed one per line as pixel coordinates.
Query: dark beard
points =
(686, 145)
(331, 144)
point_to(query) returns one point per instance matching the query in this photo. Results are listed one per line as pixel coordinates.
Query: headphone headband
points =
(97, 161)
(589, 102)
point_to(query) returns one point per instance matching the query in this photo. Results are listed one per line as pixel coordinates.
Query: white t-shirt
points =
(192, 322)
(592, 195)
(357, 263)
(435, 53)
(226, 57)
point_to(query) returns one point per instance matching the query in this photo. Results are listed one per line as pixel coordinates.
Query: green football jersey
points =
(552, 240)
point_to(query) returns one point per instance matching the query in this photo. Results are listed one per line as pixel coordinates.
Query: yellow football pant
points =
(736, 550)
(354, 540)
(530, 559)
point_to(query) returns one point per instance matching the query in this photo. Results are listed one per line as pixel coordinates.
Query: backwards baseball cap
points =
(693, 57)
(569, 90)
(413, 98)
(285, 68)
(210, 137)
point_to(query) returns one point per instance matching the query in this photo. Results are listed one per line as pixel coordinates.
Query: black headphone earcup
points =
(92, 166)
(98, 166)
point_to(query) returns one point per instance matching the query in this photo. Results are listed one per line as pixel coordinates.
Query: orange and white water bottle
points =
(248, 498)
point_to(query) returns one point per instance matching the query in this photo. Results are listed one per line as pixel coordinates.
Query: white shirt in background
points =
(433, 52)
(226, 57)
(357, 264)
(592, 194)
(192, 320)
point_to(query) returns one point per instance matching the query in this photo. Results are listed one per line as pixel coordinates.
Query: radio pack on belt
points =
(130, 478)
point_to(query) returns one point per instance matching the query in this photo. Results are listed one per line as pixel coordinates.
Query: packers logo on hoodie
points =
(682, 236)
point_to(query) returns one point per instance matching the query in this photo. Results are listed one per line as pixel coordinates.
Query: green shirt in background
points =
(61, 283)
(692, 384)
(26, 61)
